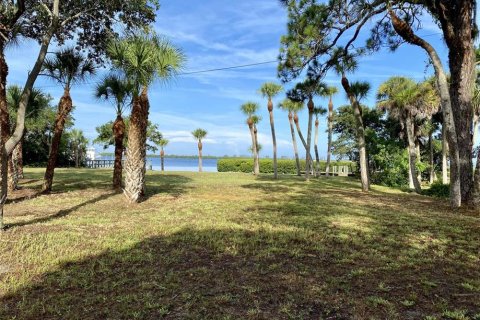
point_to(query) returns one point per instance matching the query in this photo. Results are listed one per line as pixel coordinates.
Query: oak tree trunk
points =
(118, 134)
(450, 131)
(64, 108)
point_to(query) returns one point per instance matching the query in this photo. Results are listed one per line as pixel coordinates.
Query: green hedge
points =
(285, 166)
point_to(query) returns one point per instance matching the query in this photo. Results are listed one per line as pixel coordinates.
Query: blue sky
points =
(216, 34)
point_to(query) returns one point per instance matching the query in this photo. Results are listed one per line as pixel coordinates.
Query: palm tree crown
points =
(68, 67)
(145, 58)
(116, 90)
(249, 108)
(270, 89)
(290, 105)
(199, 134)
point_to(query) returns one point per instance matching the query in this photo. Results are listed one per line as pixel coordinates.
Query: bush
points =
(284, 166)
(438, 189)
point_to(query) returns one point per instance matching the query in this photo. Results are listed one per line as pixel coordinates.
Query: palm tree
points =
(256, 119)
(78, 145)
(162, 144)
(143, 58)
(249, 109)
(355, 92)
(292, 107)
(331, 91)
(119, 92)
(270, 90)
(317, 111)
(407, 102)
(199, 134)
(68, 67)
(38, 101)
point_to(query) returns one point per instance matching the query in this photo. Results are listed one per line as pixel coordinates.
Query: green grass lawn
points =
(232, 246)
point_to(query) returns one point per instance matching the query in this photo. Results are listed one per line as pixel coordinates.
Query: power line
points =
(235, 66)
(228, 68)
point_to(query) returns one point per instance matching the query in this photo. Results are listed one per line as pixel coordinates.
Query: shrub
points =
(438, 189)
(284, 166)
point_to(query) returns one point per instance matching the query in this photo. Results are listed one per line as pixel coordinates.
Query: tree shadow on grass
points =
(191, 274)
(59, 214)
(171, 184)
(222, 274)
(412, 255)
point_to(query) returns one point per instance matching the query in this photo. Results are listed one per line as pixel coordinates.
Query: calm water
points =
(179, 164)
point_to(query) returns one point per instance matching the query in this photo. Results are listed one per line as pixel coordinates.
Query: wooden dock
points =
(94, 164)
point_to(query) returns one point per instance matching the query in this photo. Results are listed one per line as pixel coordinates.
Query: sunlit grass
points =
(234, 246)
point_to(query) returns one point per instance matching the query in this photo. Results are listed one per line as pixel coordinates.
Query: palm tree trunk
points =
(412, 153)
(136, 151)
(18, 155)
(432, 165)
(317, 157)
(274, 138)
(118, 134)
(330, 133)
(200, 164)
(254, 148)
(64, 109)
(419, 159)
(162, 160)
(444, 156)
(309, 139)
(360, 131)
(299, 131)
(257, 158)
(294, 142)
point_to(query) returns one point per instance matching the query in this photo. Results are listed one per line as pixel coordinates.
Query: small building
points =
(91, 154)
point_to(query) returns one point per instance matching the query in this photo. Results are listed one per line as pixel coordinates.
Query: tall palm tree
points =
(249, 109)
(256, 119)
(355, 92)
(143, 58)
(78, 145)
(317, 111)
(331, 91)
(292, 107)
(118, 91)
(162, 144)
(199, 134)
(68, 67)
(270, 90)
(407, 102)
(305, 91)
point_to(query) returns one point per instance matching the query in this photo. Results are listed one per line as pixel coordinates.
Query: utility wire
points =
(232, 67)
